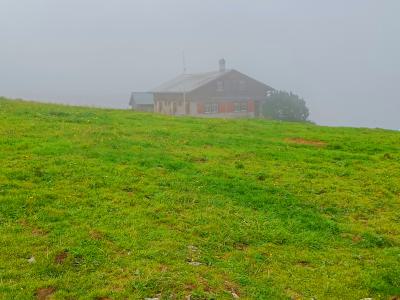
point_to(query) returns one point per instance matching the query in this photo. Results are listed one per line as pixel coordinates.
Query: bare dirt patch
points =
(356, 238)
(304, 264)
(38, 232)
(198, 159)
(162, 268)
(190, 287)
(241, 246)
(293, 294)
(60, 257)
(96, 235)
(301, 141)
(45, 293)
(232, 288)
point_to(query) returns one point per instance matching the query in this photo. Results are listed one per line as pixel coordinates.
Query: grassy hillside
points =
(109, 204)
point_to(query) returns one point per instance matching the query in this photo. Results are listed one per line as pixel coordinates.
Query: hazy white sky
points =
(342, 56)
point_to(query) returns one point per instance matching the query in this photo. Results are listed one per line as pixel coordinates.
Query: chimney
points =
(222, 65)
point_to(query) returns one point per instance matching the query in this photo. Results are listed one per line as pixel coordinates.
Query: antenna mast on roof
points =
(184, 62)
(184, 89)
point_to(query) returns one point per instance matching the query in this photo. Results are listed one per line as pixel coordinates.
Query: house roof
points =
(188, 82)
(141, 98)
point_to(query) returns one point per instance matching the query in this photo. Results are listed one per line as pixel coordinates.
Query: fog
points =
(342, 57)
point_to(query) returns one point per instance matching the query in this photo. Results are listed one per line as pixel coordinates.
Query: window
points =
(211, 108)
(237, 107)
(220, 86)
(240, 106)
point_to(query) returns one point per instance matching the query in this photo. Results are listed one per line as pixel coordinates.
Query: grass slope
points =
(114, 204)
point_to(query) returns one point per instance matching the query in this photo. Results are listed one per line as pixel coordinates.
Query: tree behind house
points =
(285, 106)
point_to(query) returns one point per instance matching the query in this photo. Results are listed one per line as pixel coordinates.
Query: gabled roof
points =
(188, 82)
(141, 98)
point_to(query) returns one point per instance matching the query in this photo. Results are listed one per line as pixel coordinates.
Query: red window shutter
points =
(222, 107)
(230, 107)
(250, 107)
(200, 108)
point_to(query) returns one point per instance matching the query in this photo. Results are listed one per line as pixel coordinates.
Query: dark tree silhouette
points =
(285, 106)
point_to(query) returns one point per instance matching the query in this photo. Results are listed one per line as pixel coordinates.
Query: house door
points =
(187, 108)
(174, 108)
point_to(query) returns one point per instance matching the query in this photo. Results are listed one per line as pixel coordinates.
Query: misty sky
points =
(342, 56)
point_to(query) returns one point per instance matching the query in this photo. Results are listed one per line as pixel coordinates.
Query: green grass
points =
(116, 204)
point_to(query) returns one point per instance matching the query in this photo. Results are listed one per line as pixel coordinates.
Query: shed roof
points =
(141, 98)
(188, 82)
